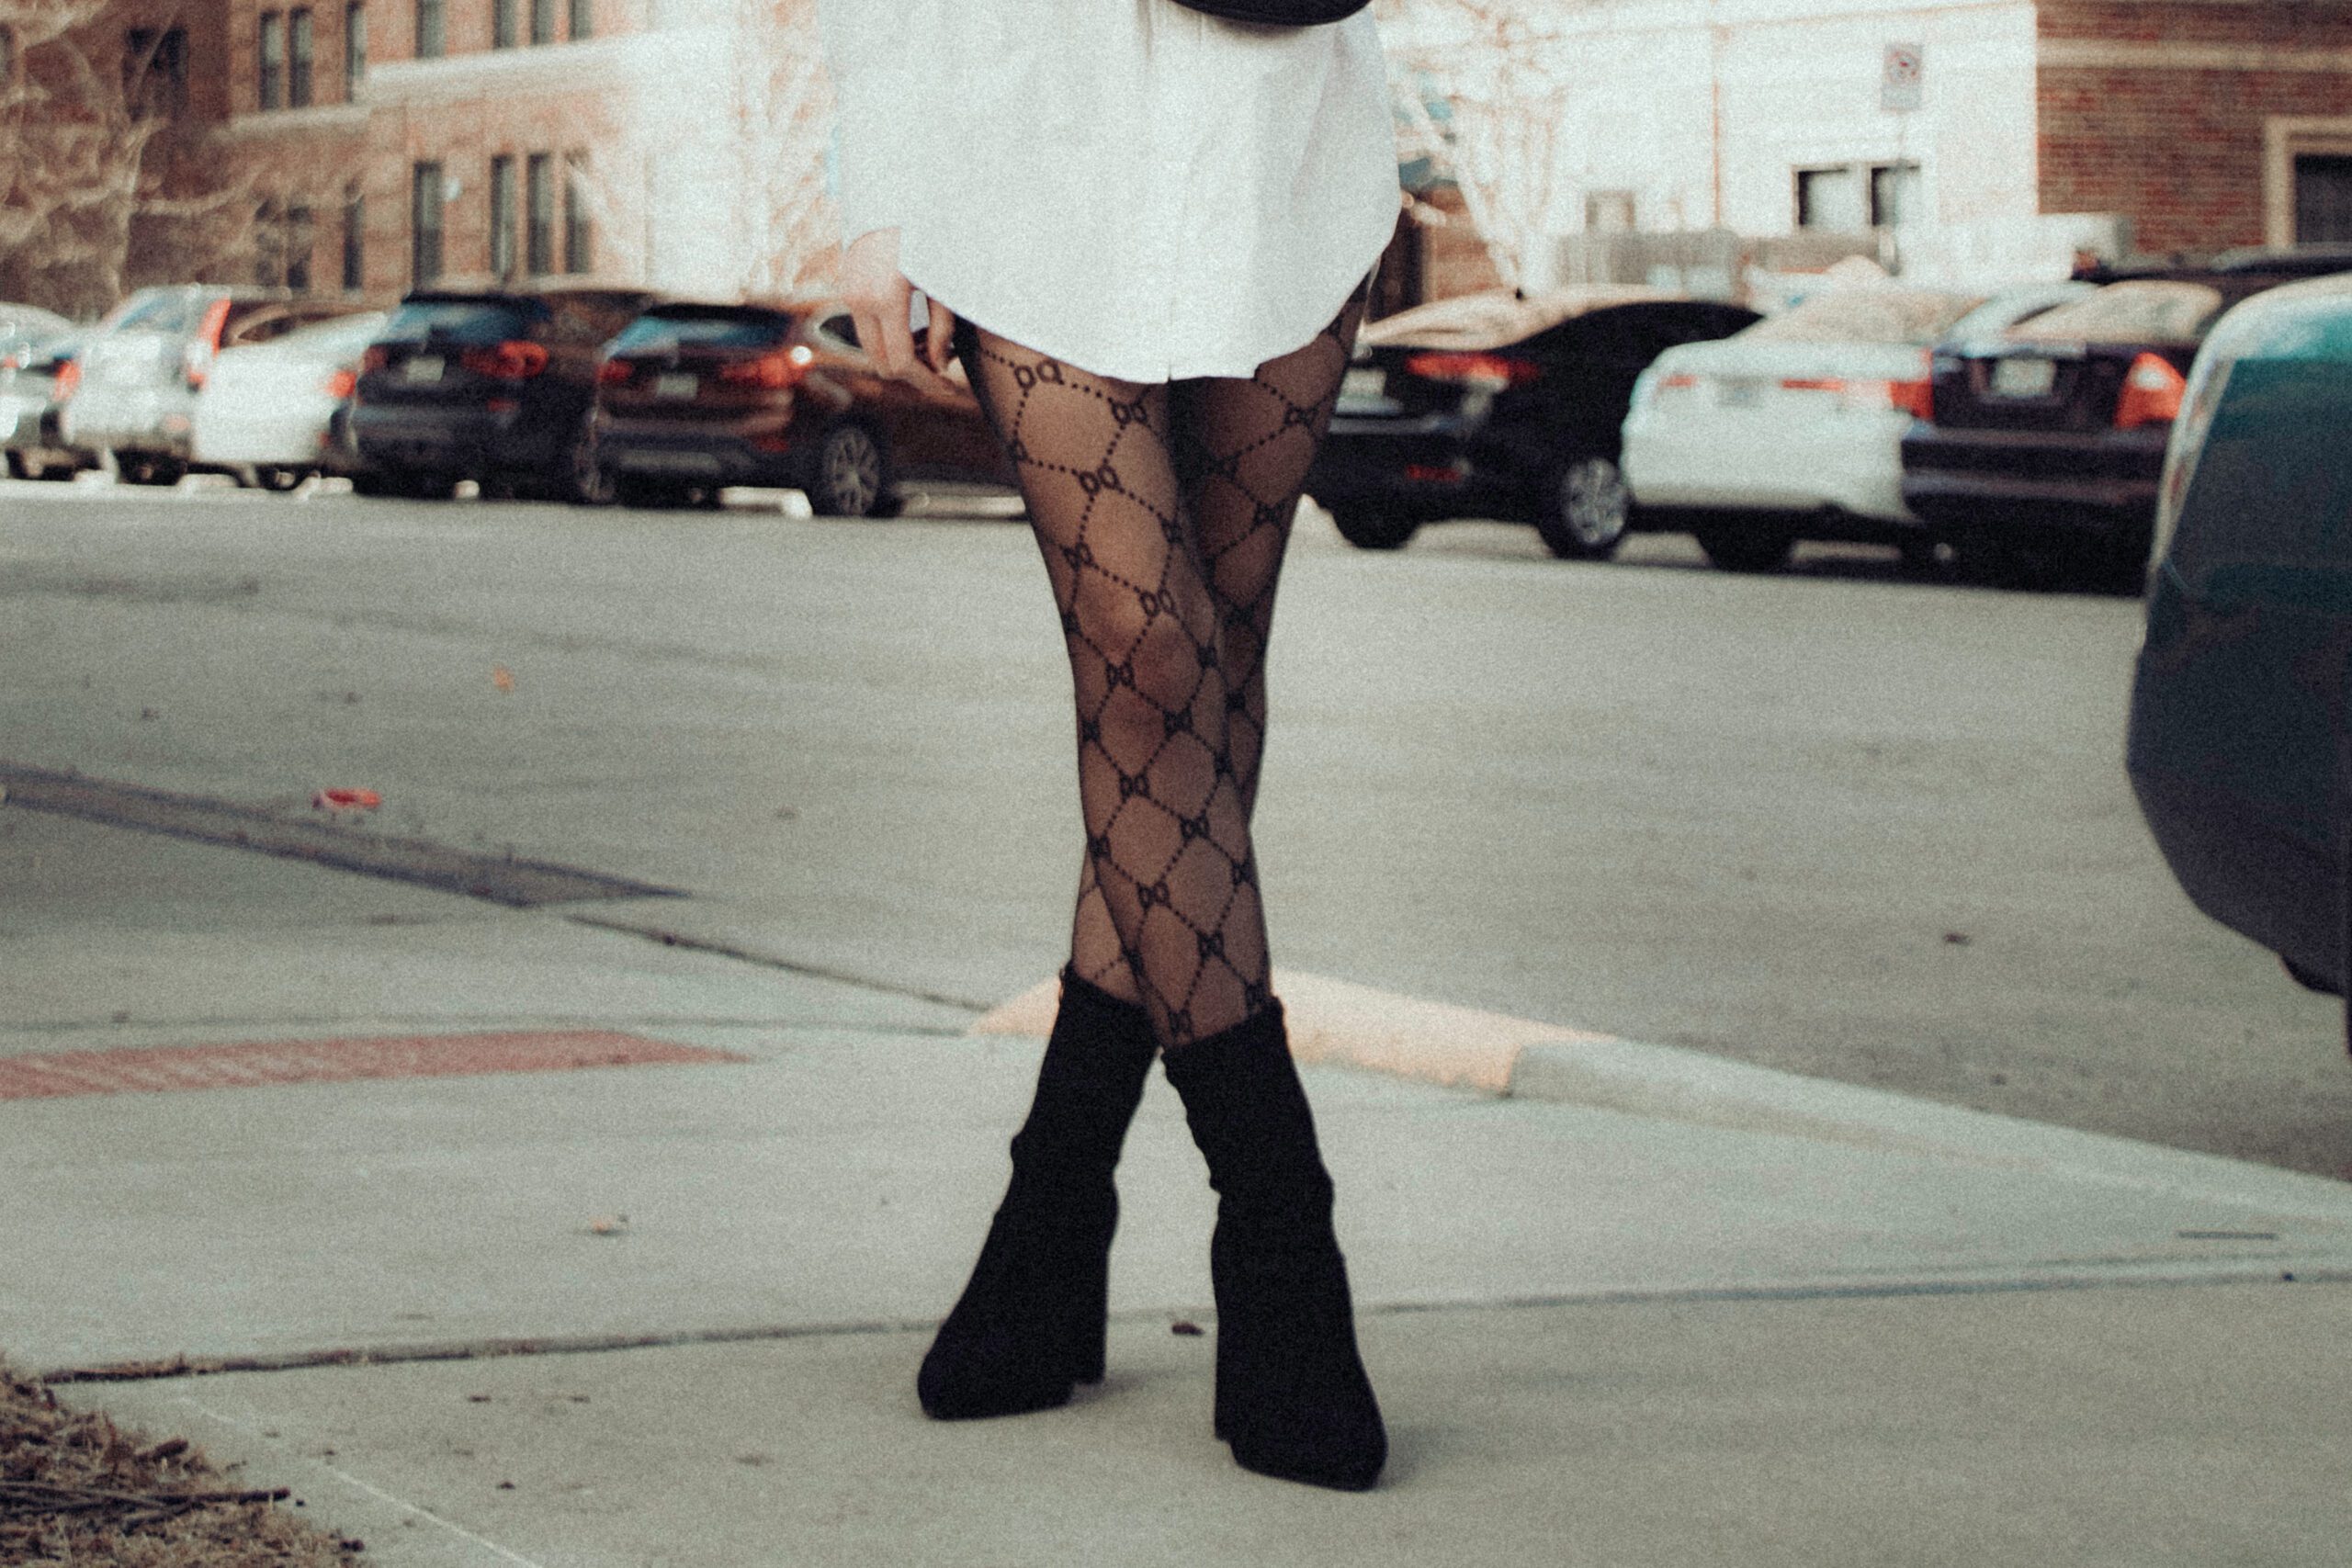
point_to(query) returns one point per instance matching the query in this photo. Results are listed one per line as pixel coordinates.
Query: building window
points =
(354, 50)
(539, 244)
(298, 58)
(273, 60)
(269, 256)
(427, 197)
(2323, 198)
(504, 16)
(354, 241)
(1895, 194)
(295, 246)
(502, 217)
(542, 21)
(1852, 198)
(154, 72)
(7, 54)
(432, 29)
(579, 237)
(583, 19)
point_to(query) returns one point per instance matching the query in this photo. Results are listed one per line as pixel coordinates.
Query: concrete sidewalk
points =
(1644, 1308)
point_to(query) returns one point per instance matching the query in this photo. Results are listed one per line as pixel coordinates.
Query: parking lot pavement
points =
(660, 1299)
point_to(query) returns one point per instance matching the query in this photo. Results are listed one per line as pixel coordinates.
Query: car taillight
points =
(69, 377)
(1490, 372)
(196, 360)
(377, 358)
(510, 361)
(1916, 398)
(342, 384)
(614, 372)
(2151, 390)
(779, 371)
(1661, 386)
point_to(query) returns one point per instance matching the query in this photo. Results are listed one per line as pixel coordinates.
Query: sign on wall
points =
(1901, 85)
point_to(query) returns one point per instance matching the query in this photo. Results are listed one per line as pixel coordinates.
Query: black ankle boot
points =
(1292, 1396)
(1030, 1323)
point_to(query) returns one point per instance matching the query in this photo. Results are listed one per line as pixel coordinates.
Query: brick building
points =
(1977, 136)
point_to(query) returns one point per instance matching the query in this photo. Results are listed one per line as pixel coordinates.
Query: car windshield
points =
(460, 321)
(667, 330)
(1913, 316)
(2143, 310)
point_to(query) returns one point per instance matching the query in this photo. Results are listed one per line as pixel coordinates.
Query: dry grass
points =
(76, 1489)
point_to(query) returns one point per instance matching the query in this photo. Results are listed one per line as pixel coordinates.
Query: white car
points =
(1793, 427)
(275, 410)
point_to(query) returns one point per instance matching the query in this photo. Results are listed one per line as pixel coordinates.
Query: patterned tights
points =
(1163, 512)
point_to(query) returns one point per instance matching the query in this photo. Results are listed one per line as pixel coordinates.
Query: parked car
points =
(694, 396)
(140, 375)
(2046, 442)
(1793, 429)
(32, 397)
(494, 385)
(2239, 724)
(274, 413)
(1493, 406)
(24, 328)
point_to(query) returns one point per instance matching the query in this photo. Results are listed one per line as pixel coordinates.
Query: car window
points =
(841, 329)
(743, 328)
(2142, 311)
(1913, 316)
(158, 310)
(461, 321)
(263, 321)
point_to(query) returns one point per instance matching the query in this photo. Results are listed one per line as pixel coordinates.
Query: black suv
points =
(493, 385)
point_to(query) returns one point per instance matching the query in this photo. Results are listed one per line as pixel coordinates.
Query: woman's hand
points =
(878, 296)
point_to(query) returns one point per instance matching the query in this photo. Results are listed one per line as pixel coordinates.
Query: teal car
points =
(2239, 738)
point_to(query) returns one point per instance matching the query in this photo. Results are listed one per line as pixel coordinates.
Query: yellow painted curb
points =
(1338, 1021)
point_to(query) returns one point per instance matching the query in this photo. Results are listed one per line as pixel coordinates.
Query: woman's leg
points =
(1168, 832)
(1243, 449)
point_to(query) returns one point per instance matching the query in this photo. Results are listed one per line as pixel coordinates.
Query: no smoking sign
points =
(1902, 77)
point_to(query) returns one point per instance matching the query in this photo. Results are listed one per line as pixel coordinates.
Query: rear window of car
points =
(165, 311)
(703, 329)
(2145, 310)
(1913, 316)
(461, 321)
(341, 336)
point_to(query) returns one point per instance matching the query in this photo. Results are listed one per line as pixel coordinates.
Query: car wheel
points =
(277, 479)
(849, 475)
(1747, 547)
(18, 468)
(1368, 530)
(1588, 510)
(413, 484)
(146, 468)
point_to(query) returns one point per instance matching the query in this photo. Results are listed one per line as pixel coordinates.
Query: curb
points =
(1339, 1024)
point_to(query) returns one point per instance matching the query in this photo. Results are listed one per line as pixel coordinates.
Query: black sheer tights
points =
(1163, 511)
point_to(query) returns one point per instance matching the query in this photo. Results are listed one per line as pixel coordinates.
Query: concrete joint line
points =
(497, 878)
(668, 936)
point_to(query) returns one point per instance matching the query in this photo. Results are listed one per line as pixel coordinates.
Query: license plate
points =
(2024, 378)
(1367, 383)
(422, 368)
(675, 385)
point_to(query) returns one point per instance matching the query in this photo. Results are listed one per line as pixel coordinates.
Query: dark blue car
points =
(2239, 737)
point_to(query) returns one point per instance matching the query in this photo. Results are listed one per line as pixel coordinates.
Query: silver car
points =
(140, 375)
(34, 386)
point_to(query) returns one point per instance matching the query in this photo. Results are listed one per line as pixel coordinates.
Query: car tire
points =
(278, 478)
(1744, 546)
(146, 468)
(1586, 509)
(18, 468)
(849, 473)
(1368, 530)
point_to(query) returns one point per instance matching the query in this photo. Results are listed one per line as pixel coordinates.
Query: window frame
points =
(539, 214)
(502, 216)
(543, 22)
(581, 19)
(301, 45)
(151, 55)
(579, 223)
(431, 28)
(355, 50)
(269, 61)
(428, 265)
(354, 239)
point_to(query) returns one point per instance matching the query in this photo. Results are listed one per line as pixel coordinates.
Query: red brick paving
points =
(162, 1068)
